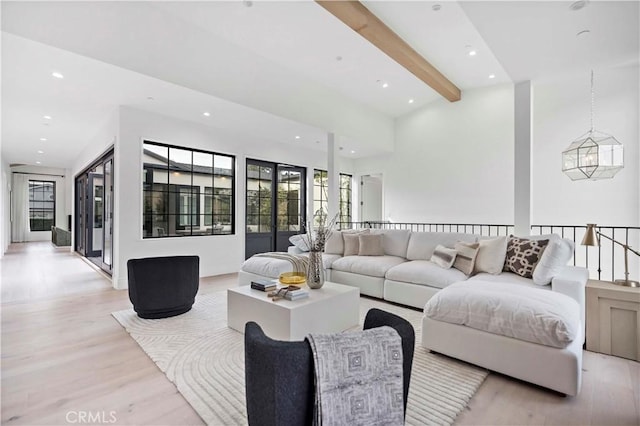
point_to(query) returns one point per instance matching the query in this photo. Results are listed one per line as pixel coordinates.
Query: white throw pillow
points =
(443, 256)
(301, 241)
(555, 256)
(491, 256)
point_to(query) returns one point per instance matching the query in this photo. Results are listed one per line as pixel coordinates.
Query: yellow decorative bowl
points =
(293, 278)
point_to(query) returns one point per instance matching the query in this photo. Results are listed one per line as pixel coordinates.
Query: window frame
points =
(170, 190)
(32, 209)
(325, 188)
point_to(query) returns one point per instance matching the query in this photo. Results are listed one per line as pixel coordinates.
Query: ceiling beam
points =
(360, 19)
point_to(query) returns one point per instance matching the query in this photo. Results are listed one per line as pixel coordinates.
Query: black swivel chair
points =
(161, 287)
(279, 375)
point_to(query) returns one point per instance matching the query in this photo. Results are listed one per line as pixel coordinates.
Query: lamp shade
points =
(590, 236)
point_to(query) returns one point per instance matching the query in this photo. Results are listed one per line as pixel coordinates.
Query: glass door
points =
(275, 206)
(94, 213)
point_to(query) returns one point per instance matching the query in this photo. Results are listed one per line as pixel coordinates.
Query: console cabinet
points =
(613, 319)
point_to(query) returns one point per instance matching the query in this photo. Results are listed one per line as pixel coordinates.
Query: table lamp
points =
(591, 238)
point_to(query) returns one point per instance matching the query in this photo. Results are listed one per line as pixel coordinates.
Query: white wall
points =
(5, 211)
(50, 174)
(218, 254)
(453, 162)
(561, 115)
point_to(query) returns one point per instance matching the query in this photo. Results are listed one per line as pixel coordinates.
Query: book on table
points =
(263, 285)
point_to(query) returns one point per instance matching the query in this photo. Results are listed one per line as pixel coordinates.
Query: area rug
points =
(205, 360)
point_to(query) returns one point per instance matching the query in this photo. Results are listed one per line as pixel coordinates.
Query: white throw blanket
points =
(525, 313)
(358, 377)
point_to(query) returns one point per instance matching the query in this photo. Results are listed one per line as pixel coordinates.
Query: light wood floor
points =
(63, 353)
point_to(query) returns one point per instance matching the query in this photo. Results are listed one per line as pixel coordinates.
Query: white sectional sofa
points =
(403, 272)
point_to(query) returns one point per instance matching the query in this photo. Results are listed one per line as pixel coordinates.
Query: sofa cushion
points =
(370, 245)
(422, 244)
(466, 257)
(328, 259)
(554, 258)
(425, 272)
(523, 255)
(504, 277)
(334, 244)
(373, 266)
(444, 256)
(266, 266)
(395, 241)
(351, 244)
(300, 241)
(491, 255)
(524, 313)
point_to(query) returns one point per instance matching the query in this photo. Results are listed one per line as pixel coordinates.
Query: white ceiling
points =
(273, 64)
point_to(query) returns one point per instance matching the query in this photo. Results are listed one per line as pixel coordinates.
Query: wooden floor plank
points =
(62, 352)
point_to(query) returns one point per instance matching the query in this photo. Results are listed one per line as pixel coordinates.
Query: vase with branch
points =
(317, 238)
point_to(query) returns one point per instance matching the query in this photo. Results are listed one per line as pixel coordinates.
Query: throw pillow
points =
(555, 256)
(301, 241)
(370, 245)
(444, 256)
(351, 244)
(523, 255)
(491, 255)
(334, 244)
(466, 256)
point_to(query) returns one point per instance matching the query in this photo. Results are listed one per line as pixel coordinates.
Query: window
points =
(187, 192)
(320, 195)
(345, 197)
(42, 205)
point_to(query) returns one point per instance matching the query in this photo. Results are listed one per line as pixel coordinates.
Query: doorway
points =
(94, 213)
(371, 198)
(275, 205)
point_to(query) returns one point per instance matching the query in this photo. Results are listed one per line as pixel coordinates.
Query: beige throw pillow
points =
(466, 256)
(351, 244)
(370, 245)
(444, 256)
(491, 255)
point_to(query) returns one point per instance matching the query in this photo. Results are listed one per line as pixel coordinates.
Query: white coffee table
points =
(330, 309)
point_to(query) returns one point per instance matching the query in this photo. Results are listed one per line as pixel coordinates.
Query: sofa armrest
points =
(572, 281)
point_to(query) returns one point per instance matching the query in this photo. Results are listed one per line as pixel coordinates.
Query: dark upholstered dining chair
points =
(279, 375)
(161, 287)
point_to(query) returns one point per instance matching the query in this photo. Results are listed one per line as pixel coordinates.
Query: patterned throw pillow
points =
(523, 255)
(466, 257)
(444, 256)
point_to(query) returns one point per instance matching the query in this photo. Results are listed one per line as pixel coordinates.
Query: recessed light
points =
(385, 85)
(577, 5)
(40, 151)
(492, 76)
(297, 137)
(410, 101)
(56, 74)
(43, 139)
(47, 117)
(38, 162)
(353, 152)
(472, 53)
(206, 114)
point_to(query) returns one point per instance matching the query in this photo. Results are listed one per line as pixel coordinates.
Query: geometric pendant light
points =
(594, 155)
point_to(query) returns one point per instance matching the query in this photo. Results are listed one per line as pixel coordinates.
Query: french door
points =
(94, 213)
(275, 205)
